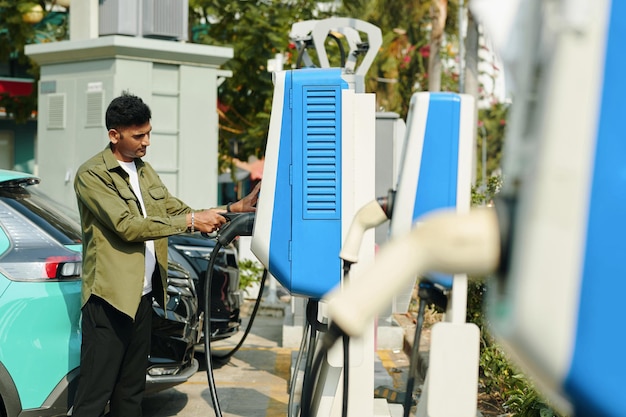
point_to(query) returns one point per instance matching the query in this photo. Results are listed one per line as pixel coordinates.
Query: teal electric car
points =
(40, 266)
(40, 335)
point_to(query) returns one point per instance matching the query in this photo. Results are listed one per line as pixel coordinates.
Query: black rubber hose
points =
(309, 379)
(346, 375)
(309, 388)
(308, 43)
(239, 225)
(292, 411)
(257, 303)
(410, 383)
(347, 265)
(342, 52)
(207, 330)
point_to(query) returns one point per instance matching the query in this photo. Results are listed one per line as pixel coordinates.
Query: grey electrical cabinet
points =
(163, 19)
(118, 17)
(177, 80)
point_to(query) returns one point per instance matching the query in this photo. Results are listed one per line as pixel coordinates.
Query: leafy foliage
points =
(250, 272)
(485, 196)
(257, 31)
(492, 123)
(15, 33)
(401, 67)
(499, 378)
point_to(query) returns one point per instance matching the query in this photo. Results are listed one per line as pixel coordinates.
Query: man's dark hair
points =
(127, 110)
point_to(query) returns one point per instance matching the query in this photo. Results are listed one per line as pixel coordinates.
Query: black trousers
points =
(113, 359)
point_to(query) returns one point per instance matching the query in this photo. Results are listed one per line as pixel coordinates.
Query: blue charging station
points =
(435, 175)
(300, 234)
(437, 165)
(318, 171)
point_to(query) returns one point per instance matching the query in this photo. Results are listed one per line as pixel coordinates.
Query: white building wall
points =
(179, 83)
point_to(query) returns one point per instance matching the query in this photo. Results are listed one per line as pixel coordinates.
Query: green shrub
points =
(250, 272)
(499, 378)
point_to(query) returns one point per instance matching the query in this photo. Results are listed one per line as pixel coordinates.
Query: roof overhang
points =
(116, 46)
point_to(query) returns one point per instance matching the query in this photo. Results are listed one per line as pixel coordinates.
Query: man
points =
(126, 215)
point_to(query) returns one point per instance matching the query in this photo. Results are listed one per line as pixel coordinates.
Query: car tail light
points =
(31, 253)
(63, 267)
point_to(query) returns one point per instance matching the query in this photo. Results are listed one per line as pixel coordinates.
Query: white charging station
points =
(298, 232)
(436, 173)
(557, 298)
(318, 171)
(558, 302)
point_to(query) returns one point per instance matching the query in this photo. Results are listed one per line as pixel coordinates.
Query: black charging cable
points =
(253, 314)
(428, 293)
(293, 408)
(347, 265)
(332, 333)
(207, 331)
(309, 388)
(240, 224)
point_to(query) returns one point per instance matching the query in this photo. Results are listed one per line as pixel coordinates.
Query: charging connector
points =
(442, 241)
(372, 214)
(239, 224)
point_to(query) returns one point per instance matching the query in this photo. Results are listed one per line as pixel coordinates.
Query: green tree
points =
(257, 31)
(492, 123)
(438, 16)
(401, 67)
(413, 40)
(17, 31)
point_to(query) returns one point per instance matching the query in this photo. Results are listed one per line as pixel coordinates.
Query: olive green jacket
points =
(114, 230)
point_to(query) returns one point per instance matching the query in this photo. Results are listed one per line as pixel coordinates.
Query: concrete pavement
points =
(254, 383)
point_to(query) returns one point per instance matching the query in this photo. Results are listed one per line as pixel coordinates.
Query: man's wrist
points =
(192, 229)
(228, 209)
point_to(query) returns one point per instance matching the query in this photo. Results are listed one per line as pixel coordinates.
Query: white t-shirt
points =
(150, 256)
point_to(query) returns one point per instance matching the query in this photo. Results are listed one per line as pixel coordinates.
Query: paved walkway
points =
(254, 383)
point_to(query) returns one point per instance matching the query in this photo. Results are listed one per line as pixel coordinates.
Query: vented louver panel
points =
(56, 111)
(321, 153)
(165, 19)
(95, 107)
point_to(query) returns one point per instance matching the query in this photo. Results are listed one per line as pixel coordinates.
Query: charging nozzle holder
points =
(374, 213)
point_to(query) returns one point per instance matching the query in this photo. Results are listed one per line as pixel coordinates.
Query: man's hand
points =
(248, 203)
(207, 221)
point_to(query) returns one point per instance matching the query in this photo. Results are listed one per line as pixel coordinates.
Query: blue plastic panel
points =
(438, 176)
(306, 235)
(596, 379)
(440, 155)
